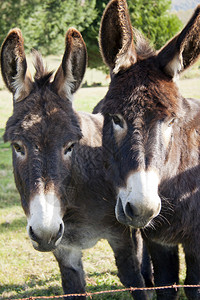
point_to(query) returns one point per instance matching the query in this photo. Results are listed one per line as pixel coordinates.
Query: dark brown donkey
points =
(151, 135)
(57, 161)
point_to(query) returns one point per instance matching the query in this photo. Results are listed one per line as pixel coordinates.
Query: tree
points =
(91, 37)
(44, 23)
(152, 17)
(45, 26)
(9, 15)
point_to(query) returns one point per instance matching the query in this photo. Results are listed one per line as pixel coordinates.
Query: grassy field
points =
(25, 272)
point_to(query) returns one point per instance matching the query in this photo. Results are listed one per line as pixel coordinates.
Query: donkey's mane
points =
(42, 75)
(142, 45)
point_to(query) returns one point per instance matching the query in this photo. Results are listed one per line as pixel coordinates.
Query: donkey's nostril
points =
(131, 211)
(32, 235)
(60, 232)
(46, 239)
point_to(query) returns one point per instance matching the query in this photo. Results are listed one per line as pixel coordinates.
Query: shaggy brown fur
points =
(144, 98)
(60, 150)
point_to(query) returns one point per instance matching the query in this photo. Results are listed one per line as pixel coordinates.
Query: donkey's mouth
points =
(122, 217)
(44, 249)
(47, 242)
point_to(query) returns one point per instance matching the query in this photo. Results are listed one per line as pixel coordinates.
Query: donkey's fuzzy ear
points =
(14, 66)
(72, 69)
(116, 37)
(184, 49)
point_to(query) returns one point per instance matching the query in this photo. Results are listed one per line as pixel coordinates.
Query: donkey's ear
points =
(14, 66)
(116, 37)
(72, 69)
(184, 49)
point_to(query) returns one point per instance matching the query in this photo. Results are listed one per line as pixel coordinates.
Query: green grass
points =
(25, 272)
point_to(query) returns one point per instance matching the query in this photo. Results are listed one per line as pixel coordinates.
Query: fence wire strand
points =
(131, 289)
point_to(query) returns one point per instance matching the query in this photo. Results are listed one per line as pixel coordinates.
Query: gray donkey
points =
(57, 162)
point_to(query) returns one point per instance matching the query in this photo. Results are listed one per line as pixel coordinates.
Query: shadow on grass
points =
(14, 225)
(31, 288)
(52, 287)
(2, 131)
(22, 291)
(93, 274)
(25, 291)
(8, 193)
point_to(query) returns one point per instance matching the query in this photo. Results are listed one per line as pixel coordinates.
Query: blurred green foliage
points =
(44, 23)
(154, 19)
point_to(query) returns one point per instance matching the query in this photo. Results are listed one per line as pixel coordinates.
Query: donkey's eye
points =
(69, 149)
(117, 120)
(19, 149)
(171, 122)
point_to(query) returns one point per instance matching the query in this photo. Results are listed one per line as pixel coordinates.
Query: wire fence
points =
(131, 289)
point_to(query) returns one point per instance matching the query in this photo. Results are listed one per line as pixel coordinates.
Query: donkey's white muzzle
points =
(45, 226)
(138, 203)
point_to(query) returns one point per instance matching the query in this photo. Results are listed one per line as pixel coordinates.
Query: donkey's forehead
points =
(43, 106)
(43, 101)
(30, 120)
(43, 115)
(143, 87)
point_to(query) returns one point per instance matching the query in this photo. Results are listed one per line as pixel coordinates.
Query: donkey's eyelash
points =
(117, 120)
(19, 148)
(171, 122)
(37, 147)
(69, 148)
